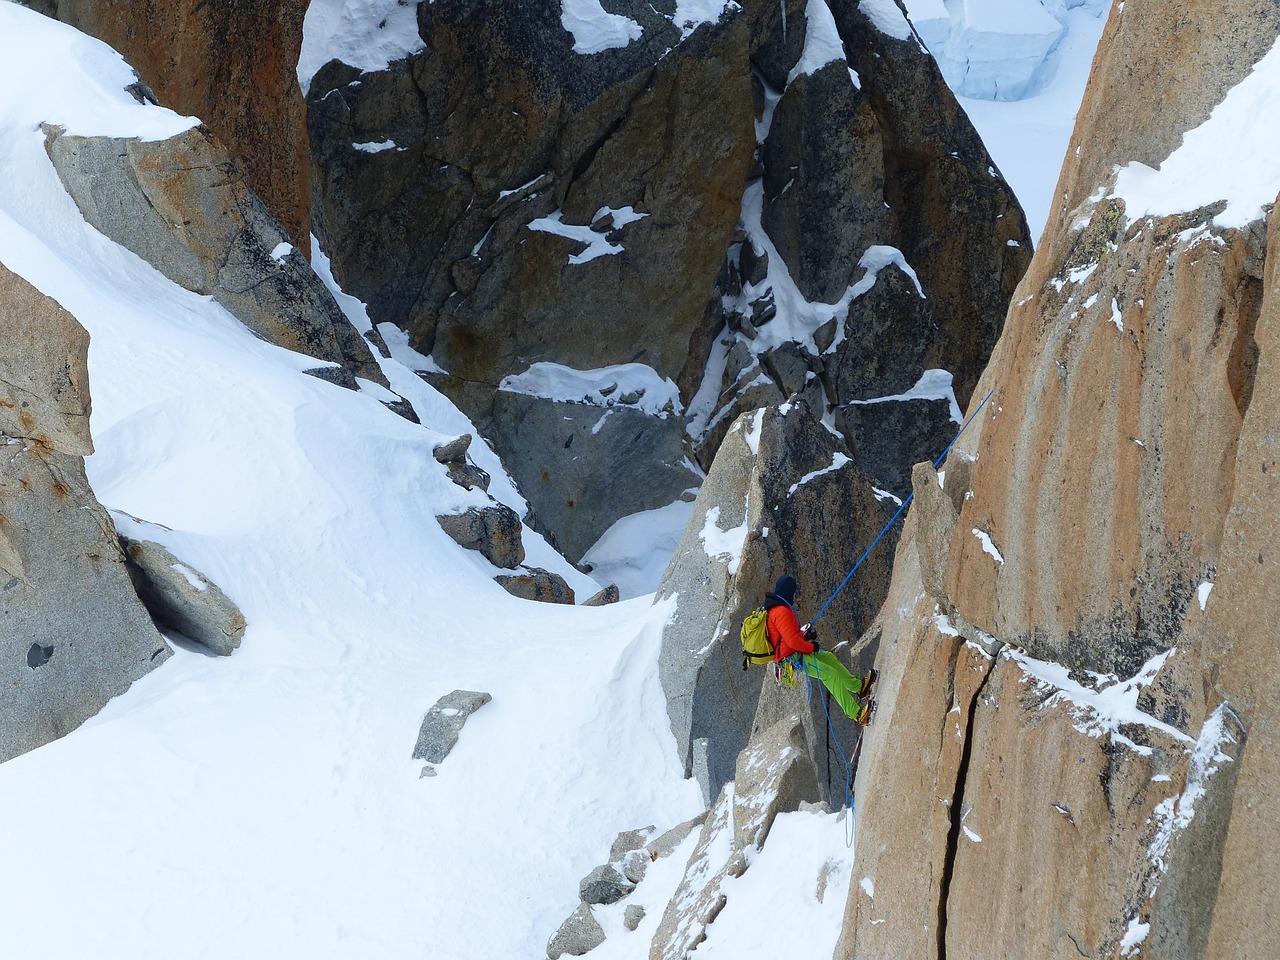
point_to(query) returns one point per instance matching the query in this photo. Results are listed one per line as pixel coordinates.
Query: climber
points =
(800, 645)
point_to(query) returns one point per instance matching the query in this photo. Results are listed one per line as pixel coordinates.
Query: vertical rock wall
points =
(1072, 742)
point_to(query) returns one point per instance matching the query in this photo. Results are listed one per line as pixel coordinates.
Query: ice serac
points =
(73, 633)
(180, 205)
(233, 66)
(781, 497)
(1077, 624)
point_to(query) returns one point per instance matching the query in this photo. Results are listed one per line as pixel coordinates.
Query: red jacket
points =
(784, 633)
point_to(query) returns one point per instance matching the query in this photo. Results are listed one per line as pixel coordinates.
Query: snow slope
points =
(265, 805)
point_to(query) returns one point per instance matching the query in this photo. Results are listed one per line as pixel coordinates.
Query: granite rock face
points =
(73, 633)
(1100, 537)
(233, 65)
(180, 205)
(782, 497)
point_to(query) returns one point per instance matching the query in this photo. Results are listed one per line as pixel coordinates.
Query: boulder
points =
(579, 934)
(604, 885)
(534, 583)
(180, 205)
(632, 916)
(774, 776)
(455, 451)
(44, 376)
(629, 840)
(231, 65)
(608, 595)
(495, 531)
(182, 598)
(73, 633)
(782, 496)
(444, 721)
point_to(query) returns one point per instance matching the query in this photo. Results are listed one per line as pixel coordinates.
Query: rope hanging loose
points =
(898, 513)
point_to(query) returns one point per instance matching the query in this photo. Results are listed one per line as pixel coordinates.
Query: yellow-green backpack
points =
(756, 647)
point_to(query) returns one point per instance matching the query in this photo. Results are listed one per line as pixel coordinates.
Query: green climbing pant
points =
(825, 667)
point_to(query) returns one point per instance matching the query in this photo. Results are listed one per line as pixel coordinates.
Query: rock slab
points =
(181, 597)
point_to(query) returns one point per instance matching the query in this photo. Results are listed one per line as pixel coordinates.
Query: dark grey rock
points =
(887, 435)
(444, 721)
(579, 934)
(495, 531)
(632, 915)
(604, 885)
(582, 467)
(182, 598)
(608, 595)
(534, 583)
(455, 451)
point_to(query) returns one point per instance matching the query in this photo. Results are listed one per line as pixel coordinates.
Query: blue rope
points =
(898, 513)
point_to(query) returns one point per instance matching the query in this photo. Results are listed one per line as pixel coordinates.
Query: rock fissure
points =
(957, 802)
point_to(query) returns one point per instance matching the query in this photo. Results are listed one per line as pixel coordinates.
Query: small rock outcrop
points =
(534, 583)
(580, 934)
(608, 595)
(182, 598)
(494, 531)
(180, 205)
(783, 496)
(440, 727)
(73, 633)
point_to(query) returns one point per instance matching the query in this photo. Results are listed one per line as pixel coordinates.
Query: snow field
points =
(265, 804)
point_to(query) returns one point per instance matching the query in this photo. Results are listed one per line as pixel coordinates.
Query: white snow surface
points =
(886, 16)
(635, 551)
(597, 245)
(1231, 157)
(595, 30)
(367, 34)
(604, 386)
(988, 547)
(265, 804)
(932, 385)
(723, 545)
(822, 43)
(1102, 711)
